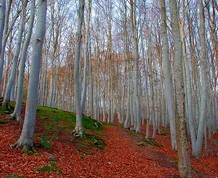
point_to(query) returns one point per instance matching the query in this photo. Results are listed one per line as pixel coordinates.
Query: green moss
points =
(94, 140)
(67, 119)
(58, 121)
(51, 168)
(46, 142)
(91, 124)
(88, 142)
(4, 110)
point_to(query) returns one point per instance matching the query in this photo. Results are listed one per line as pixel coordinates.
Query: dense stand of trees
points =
(152, 63)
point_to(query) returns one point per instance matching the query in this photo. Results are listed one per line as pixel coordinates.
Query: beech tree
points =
(78, 130)
(17, 109)
(183, 155)
(168, 77)
(2, 21)
(16, 56)
(26, 137)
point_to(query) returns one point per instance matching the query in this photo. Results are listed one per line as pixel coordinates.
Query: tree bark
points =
(183, 155)
(26, 137)
(17, 110)
(16, 56)
(168, 77)
(78, 130)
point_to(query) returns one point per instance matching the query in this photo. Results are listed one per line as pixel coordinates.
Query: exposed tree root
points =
(77, 133)
(26, 149)
(14, 116)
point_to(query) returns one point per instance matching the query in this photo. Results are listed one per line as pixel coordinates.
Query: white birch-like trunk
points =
(78, 130)
(168, 78)
(17, 110)
(7, 31)
(16, 56)
(86, 56)
(26, 137)
(136, 68)
(183, 155)
(188, 84)
(203, 90)
(2, 21)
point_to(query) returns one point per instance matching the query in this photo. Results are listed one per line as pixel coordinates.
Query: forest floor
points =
(125, 154)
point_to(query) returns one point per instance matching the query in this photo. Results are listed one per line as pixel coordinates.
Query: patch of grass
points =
(57, 121)
(51, 168)
(88, 142)
(94, 140)
(46, 142)
(13, 176)
(4, 110)
(65, 119)
(91, 124)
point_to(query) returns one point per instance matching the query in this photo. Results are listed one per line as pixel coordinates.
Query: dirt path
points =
(121, 158)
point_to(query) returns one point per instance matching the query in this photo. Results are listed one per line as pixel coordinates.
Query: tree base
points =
(17, 117)
(77, 133)
(26, 149)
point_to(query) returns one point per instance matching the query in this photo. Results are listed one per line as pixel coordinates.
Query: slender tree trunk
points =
(17, 110)
(136, 68)
(189, 91)
(2, 21)
(78, 130)
(183, 155)
(16, 56)
(203, 91)
(26, 137)
(86, 56)
(7, 31)
(168, 78)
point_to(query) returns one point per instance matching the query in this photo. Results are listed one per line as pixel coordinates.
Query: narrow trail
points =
(121, 158)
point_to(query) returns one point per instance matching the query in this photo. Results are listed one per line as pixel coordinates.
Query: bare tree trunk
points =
(168, 78)
(136, 67)
(7, 31)
(16, 56)
(183, 155)
(78, 130)
(2, 21)
(86, 56)
(189, 89)
(17, 110)
(26, 137)
(203, 91)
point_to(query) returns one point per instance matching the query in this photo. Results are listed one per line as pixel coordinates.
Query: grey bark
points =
(26, 137)
(17, 110)
(78, 130)
(183, 155)
(86, 56)
(136, 67)
(203, 91)
(168, 77)
(2, 21)
(16, 56)
(7, 31)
